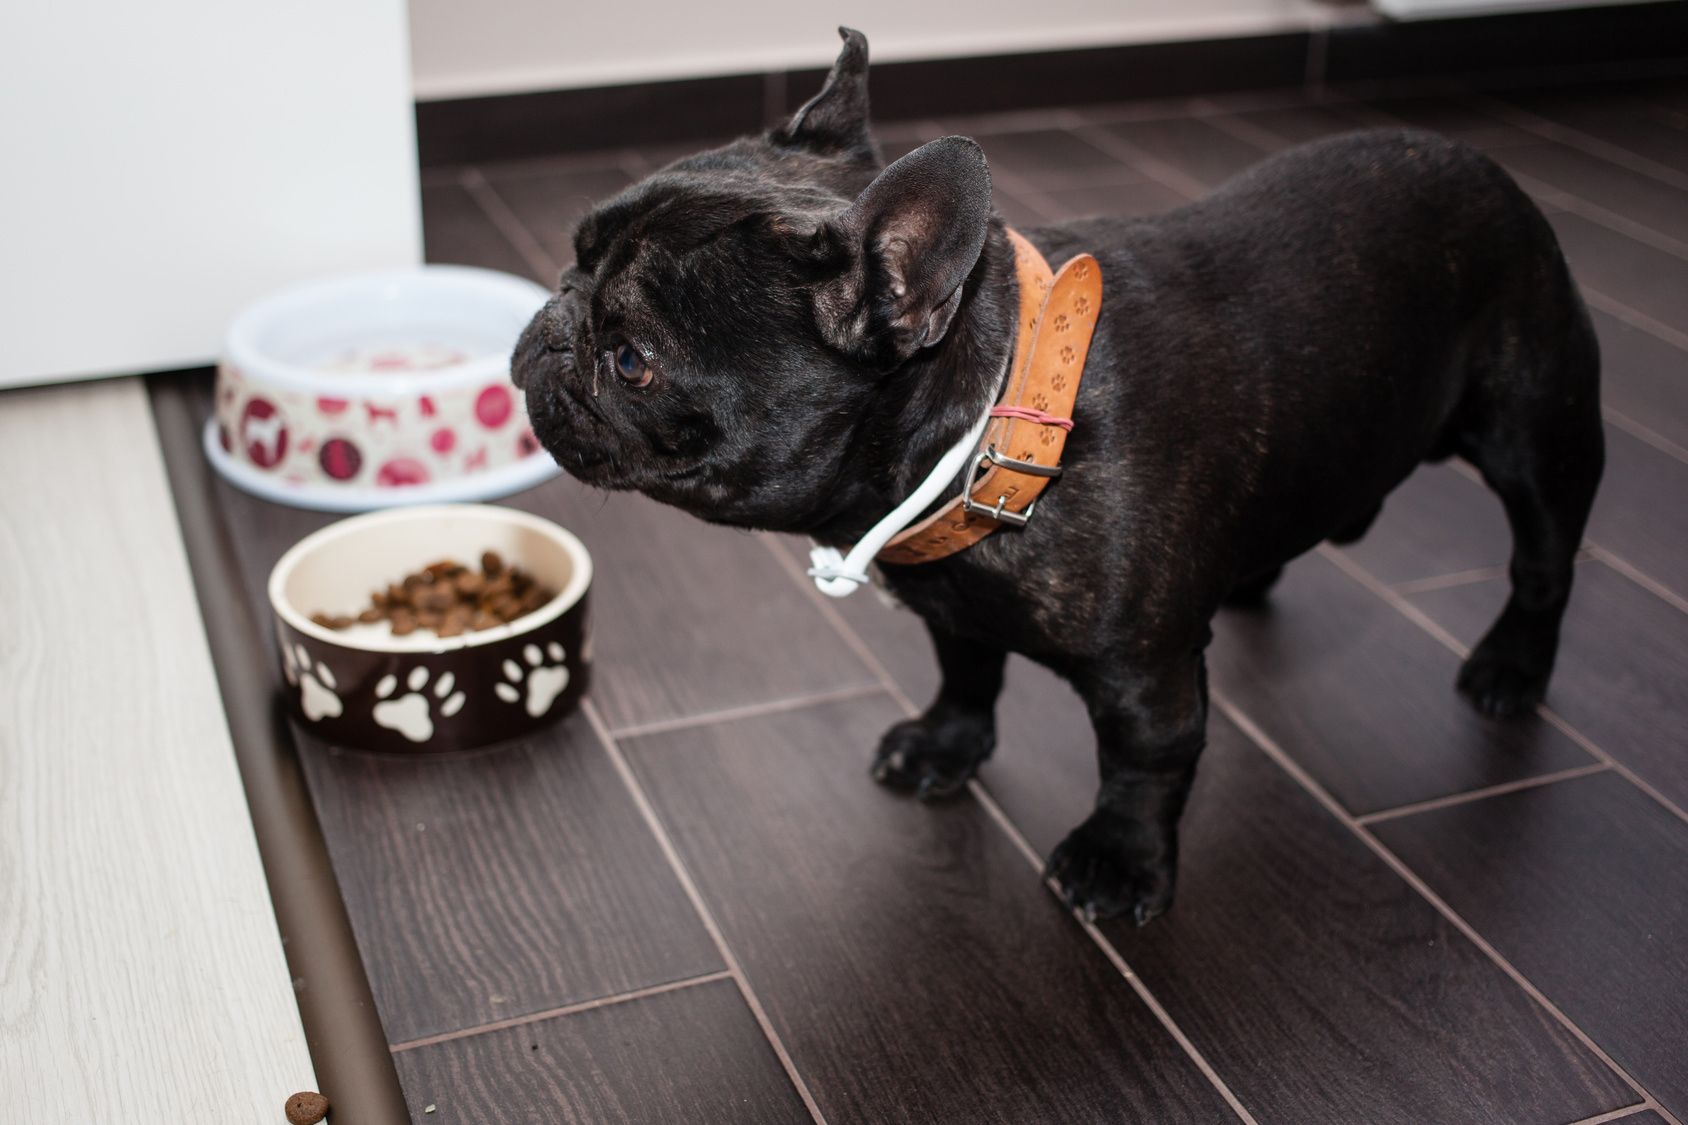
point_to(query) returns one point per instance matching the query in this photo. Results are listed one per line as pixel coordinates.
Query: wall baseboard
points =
(1508, 49)
(1513, 48)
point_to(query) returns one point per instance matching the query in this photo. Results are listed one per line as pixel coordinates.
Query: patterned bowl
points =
(364, 687)
(378, 390)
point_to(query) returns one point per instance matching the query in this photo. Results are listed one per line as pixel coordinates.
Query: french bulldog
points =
(784, 334)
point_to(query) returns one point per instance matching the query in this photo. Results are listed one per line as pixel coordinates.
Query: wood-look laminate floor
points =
(690, 904)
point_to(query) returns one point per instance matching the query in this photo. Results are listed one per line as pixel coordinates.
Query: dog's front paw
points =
(932, 758)
(1506, 677)
(1101, 873)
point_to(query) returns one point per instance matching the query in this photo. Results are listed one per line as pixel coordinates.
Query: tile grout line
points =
(1114, 956)
(1183, 106)
(1444, 581)
(1584, 142)
(1036, 202)
(830, 613)
(556, 164)
(1617, 310)
(1640, 578)
(1627, 570)
(1015, 837)
(1471, 795)
(1377, 586)
(556, 1013)
(1601, 216)
(1644, 434)
(748, 711)
(509, 224)
(1418, 617)
(1115, 174)
(1245, 131)
(1025, 192)
(1275, 752)
(1152, 167)
(705, 915)
(1558, 721)
(1008, 121)
(1615, 1115)
(1315, 65)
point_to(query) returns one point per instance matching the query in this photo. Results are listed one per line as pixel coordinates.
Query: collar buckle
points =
(1030, 468)
(1000, 511)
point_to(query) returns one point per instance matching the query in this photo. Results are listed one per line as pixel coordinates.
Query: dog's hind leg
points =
(1538, 442)
(935, 754)
(1151, 725)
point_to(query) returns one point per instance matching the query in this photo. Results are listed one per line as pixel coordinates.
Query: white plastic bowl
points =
(378, 390)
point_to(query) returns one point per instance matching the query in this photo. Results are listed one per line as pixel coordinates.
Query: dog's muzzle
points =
(553, 329)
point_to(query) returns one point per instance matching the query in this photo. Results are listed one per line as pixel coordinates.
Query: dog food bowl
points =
(366, 688)
(378, 390)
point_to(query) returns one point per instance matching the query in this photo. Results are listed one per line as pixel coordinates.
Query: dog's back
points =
(1342, 312)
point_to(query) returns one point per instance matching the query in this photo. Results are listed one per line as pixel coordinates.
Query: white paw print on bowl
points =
(315, 683)
(545, 681)
(412, 714)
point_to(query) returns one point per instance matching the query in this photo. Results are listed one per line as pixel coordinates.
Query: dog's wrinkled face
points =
(728, 321)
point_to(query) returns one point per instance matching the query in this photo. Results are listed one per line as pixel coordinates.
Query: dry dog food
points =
(450, 599)
(307, 1107)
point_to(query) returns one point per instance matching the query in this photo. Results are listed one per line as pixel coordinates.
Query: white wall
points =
(462, 48)
(168, 161)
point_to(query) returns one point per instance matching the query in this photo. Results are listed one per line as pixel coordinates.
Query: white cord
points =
(838, 575)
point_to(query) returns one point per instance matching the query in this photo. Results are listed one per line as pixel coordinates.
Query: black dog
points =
(776, 334)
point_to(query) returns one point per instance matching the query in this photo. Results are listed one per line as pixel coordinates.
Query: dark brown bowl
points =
(366, 688)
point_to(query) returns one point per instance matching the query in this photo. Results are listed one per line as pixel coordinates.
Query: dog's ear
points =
(835, 120)
(902, 252)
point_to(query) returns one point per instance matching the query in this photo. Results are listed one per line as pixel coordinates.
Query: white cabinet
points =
(163, 163)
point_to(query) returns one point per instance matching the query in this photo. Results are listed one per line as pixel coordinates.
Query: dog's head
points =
(729, 321)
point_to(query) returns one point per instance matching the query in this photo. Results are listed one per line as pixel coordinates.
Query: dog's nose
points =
(545, 337)
(556, 326)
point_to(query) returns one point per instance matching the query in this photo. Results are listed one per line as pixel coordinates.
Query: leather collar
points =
(1020, 451)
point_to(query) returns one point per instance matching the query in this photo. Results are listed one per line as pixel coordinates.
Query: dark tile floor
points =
(690, 904)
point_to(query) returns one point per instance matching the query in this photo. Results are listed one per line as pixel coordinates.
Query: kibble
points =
(450, 599)
(307, 1107)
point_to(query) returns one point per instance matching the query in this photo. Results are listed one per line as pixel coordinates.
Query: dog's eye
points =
(630, 365)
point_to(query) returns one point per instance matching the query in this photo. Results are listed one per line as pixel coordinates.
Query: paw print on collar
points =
(545, 679)
(317, 698)
(412, 714)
